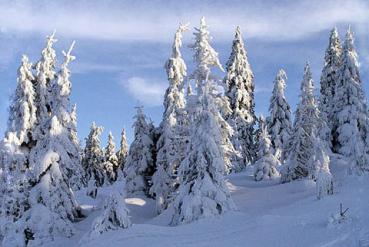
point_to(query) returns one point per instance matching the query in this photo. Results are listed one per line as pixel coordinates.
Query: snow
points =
(269, 214)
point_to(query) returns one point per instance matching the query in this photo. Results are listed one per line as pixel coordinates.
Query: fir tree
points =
(306, 122)
(350, 112)
(67, 117)
(93, 158)
(328, 81)
(279, 121)
(202, 189)
(123, 150)
(22, 109)
(239, 83)
(171, 143)
(140, 164)
(266, 163)
(111, 164)
(45, 77)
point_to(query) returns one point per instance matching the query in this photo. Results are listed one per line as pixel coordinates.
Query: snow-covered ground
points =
(269, 214)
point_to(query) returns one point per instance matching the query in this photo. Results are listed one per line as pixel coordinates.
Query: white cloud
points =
(149, 93)
(157, 20)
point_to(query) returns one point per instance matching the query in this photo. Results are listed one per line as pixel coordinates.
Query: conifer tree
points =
(266, 163)
(329, 79)
(239, 83)
(279, 121)
(66, 115)
(22, 111)
(171, 143)
(140, 164)
(202, 191)
(50, 198)
(123, 150)
(350, 132)
(302, 140)
(93, 158)
(111, 164)
(45, 78)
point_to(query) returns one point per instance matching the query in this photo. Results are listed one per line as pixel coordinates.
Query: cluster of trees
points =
(204, 135)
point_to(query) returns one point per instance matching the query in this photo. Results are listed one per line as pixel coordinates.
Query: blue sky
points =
(121, 47)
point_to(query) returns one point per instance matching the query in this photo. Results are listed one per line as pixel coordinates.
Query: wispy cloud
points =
(156, 20)
(149, 93)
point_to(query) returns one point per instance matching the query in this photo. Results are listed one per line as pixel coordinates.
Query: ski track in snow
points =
(269, 214)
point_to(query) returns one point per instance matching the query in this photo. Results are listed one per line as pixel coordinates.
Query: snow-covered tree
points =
(329, 79)
(305, 125)
(350, 131)
(66, 115)
(202, 191)
(111, 164)
(123, 150)
(171, 144)
(93, 157)
(320, 162)
(45, 77)
(51, 206)
(279, 121)
(22, 110)
(239, 89)
(205, 56)
(140, 164)
(266, 163)
(114, 216)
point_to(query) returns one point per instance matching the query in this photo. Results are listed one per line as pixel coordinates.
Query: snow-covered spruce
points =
(202, 191)
(279, 121)
(123, 150)
(22, 110)
(239, 83)
(140, 164)
(302, 140)
(93, 157)
(66, 115)
(320, 162)
(350, 112)
(114, 216)
(172, 141)
(328, 82)
(50, 198)
(45, 78)
(111, 164)
(266, 163)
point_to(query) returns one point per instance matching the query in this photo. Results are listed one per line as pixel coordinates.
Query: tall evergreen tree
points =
(45, 77)
(22, 111)
(140, 164)
(66, 115)
(123, 150)
(239, 83)
(172, 140)
(93, 157)
(350, 111)
(304, 129)
(111, 164)
(202, 189)
(279, 121)
(329, 79)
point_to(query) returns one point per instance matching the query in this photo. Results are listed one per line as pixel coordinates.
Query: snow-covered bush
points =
(114, 216)
(266, 163)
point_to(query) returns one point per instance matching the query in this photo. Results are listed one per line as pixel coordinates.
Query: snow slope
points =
(269, 214)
